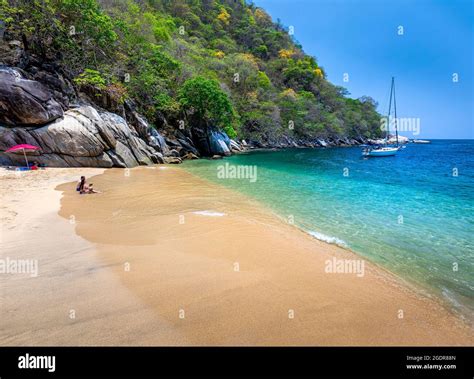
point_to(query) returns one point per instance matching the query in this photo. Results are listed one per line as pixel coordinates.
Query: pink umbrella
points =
(23, 147)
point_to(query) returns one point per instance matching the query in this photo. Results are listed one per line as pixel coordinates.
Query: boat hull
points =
(421, 141)
(381, 152)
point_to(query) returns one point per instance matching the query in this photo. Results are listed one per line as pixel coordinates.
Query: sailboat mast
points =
(395, 109)
(389, 110)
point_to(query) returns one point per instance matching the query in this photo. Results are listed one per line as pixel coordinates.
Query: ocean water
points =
(412, 214)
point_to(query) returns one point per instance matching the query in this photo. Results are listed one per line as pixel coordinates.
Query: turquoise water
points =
(407, 213)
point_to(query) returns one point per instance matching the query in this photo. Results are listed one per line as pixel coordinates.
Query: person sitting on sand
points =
(90, 189)
(81, 185)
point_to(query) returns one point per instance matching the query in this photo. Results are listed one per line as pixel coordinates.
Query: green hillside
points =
(192, 63)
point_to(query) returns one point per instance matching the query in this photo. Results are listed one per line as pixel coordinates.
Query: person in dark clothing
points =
(81, 185)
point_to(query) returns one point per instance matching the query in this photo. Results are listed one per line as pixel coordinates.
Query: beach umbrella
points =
(25, 148)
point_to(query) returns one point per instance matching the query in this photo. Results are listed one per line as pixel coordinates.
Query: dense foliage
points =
(213, 62)
(208, 103)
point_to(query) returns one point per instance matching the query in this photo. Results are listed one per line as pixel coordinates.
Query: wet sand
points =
(76, 299)
(162, 257)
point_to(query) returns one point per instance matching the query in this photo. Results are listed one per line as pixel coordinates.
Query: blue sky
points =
(360, 38)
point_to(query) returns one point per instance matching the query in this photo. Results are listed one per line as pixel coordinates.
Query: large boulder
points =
(158, 142)
(25, 102)
(69, 136)
(83, 137)
(211, 141)
(124, 155)
(219, 143)
(188, 147)
(234, 146)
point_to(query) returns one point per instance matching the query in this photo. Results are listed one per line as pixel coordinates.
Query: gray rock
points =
(190, 156)
(83, 137)
(140, 150)
(117, 126)
(117, 160)
(158, 158)
(102, 160)
(322, 143)
(174, 153)
(211, 141)
(235, 146)
(126, 156)
(219, 143)
(172, 160)
(57, 160)
(139, 124)
(25, 102)
(188, 147)
(68, 136)
(157, 141)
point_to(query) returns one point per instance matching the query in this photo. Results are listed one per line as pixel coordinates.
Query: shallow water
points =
(410, 213)
(180, 242)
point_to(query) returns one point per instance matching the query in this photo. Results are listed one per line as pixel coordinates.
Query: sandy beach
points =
(75, 299)
(162, 257)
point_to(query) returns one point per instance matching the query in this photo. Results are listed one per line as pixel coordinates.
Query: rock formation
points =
(80, 136)
(25, 102)
(42, 108)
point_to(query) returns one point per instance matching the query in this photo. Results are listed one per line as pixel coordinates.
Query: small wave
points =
(328, 239)
(209, 213)
(460, 308)
(450, 297)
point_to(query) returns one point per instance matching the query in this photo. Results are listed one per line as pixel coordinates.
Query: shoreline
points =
(189, 266)
(335, 218)
(403, 283)
(75, 300)
(182, 286)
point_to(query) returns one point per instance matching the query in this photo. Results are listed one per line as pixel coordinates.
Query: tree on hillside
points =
(76, 33)
(207, 104)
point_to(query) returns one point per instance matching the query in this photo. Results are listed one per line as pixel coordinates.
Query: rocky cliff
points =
(136, 82)
(81, 126)
(73, 130)
(78, 136)
(76, 125)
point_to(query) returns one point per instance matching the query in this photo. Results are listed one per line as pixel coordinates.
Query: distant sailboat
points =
(420, 141)
(386, 151)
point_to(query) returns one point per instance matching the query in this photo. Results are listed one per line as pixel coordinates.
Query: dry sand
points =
(71, 280)
(140, 267)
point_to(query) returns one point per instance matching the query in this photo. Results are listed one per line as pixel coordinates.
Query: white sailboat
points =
(380, 150)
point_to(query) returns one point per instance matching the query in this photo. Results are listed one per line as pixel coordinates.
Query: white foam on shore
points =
(328, 239)
(209, 213)
(459, 308)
